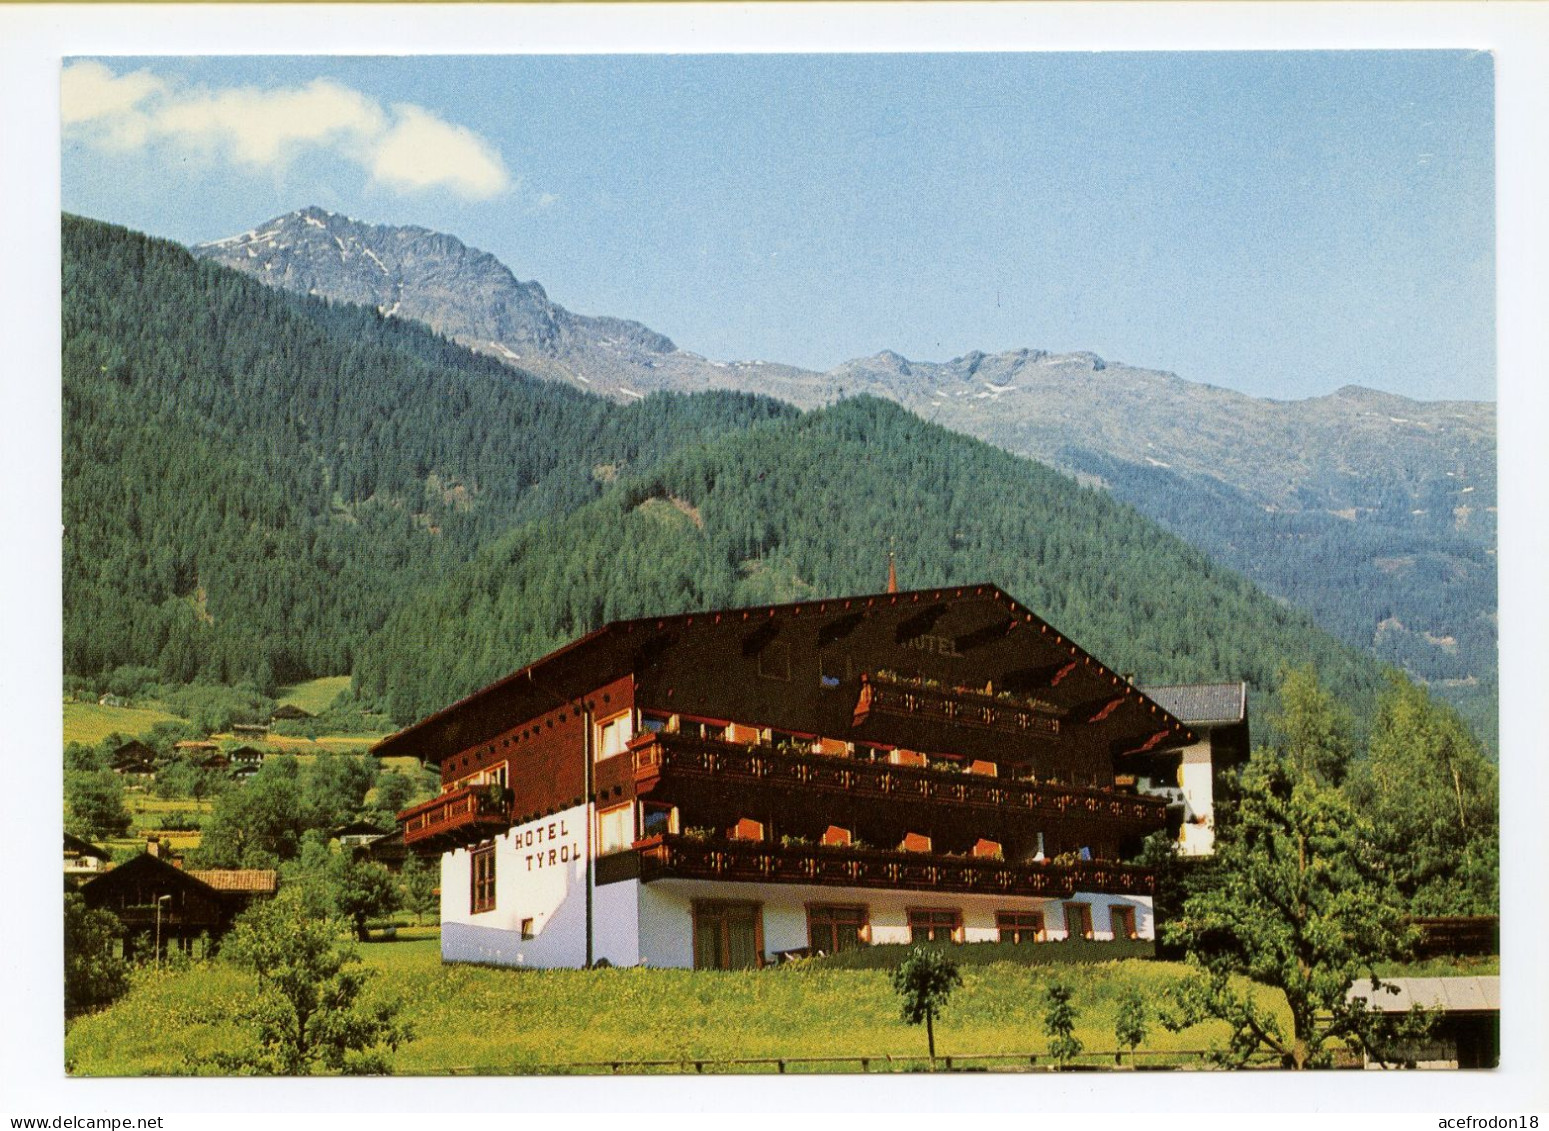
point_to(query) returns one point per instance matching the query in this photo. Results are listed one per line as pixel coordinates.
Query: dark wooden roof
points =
(144, 869)
(973, 636)
(359, 828)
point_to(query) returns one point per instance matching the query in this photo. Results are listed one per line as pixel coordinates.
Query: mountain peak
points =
(435, 278)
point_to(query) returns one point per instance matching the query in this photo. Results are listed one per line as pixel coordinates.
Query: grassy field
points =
(493, 1021)
(90, 723)
(315, 695)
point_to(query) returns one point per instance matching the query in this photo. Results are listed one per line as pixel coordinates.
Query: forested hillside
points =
(808, 508)
(253, 480)
(259, 485)
(1373, 512)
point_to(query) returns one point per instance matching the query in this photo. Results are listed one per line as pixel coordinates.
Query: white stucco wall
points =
(1195, 776)
(666, 914)
(540, 874)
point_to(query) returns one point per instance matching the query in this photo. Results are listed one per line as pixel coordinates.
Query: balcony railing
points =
(658, 756)
(458, 817)
(960, 708)
(763, 862)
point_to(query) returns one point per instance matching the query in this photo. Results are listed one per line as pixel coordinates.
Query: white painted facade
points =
(1194, 789)
(539, 916)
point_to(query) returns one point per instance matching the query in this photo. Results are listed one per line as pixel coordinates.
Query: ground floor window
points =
(1078, 920)
(727, 935)
(1020, 926)
(482, 897)
(1123, 920)
(935, 925)
(832, 928)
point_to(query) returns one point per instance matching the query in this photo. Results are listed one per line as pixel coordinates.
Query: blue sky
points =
(1279, 223)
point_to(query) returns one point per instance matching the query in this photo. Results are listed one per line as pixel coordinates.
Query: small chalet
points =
(290, 711)
(250, 730)
(160, 904)
(389, 850)
(717, 789)
(1194, 779)
(358, 834)
(245, 760)
(212, 760)
(84, 859)
(134, 759)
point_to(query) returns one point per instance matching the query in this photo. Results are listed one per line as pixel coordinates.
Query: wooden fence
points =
(1143, 1060)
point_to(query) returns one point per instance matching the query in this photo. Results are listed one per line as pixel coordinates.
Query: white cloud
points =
(406, 149)
(93, 97)
(421, 150)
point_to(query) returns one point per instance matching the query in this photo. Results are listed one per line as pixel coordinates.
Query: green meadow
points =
(90, 723)
(315, 695)
(487, 1020)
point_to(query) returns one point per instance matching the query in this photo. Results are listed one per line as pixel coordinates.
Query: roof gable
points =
(966, 638)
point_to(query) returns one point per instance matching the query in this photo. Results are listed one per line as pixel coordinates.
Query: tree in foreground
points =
(94, 974)
(1131, 1023)
(1298, 902)
(1059, 1023)
(309, 1014)
(925, 980)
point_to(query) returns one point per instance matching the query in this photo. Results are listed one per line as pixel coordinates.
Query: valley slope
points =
(266, 486)
(1373, 512)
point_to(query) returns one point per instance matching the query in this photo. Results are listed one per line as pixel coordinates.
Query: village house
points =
(720, 789)
(134, 759)
(83, 860)
(163, 907)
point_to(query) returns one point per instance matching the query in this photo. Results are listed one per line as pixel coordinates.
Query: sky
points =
(1279, 223)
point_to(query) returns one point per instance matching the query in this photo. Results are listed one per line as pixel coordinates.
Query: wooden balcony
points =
(761, 862)
(662, 756)
(454, 819)
(883, 696)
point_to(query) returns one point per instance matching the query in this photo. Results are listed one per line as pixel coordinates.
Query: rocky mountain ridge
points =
(1366, 508)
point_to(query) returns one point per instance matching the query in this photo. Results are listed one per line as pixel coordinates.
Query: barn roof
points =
(1449, 995)
(258, 881)
(997, 642)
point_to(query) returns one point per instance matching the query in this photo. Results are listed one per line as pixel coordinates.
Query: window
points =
(1078, 920)
(935, 925)
(615, 829)
(727, 936)
(613, 736)
(1123, 920)
(1020, 926)
(483, 894)
(831, 928)
(527, 931)
(657, 819)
